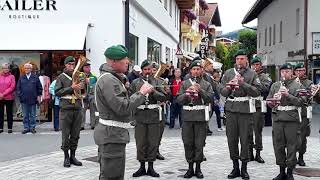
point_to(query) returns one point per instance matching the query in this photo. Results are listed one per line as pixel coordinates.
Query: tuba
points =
(79, 77)
(163, 67)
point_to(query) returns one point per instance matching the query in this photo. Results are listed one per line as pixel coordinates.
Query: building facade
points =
(283, 35)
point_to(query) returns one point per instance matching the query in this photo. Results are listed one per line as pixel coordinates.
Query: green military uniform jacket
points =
(306, 83)
(63, 88)
(251, 88)
(266, 82)
(113, 103)
(205, 97)
(291, 100)
(148, 116)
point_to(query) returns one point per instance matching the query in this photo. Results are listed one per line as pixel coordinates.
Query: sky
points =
(232, 13)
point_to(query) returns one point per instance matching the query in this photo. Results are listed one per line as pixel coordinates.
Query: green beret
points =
(145, 63)
(299, 65)
(195, 63)
(255, 60)
(155, 65)
(69, 59)
(117, 52)
(286, 66)
(241, 52)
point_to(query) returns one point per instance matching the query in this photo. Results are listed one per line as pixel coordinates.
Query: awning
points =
(42, 36)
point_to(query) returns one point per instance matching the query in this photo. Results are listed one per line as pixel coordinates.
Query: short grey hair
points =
(27, 65)
(5, 65)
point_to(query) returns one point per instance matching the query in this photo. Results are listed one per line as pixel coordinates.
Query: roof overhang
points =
(42, 36)
(255, 10)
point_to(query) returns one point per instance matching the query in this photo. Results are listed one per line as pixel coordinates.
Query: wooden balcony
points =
(185, 4)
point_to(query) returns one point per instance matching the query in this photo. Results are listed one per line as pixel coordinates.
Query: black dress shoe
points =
(33, 131)
(189, 174)
(141, 171)
(10, 131)
(258, 158)
(82, 129)
(25, 131)
(73, 159)
(56, 130)
(198, 172)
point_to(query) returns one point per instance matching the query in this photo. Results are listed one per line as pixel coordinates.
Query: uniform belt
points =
(70, 97)
(115, 123)
(193, 108)
(260, 98)
(197, 108)
(149, 106)
(239, 99)
(287, 108)
(152, 106)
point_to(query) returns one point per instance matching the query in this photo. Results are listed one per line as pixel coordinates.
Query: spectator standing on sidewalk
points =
(29, 90)
(175, 108)
(134, 74)
(56, 107)
(216, 104)
(7, 86)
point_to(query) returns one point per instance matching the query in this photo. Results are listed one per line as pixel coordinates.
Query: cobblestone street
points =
(49, 166)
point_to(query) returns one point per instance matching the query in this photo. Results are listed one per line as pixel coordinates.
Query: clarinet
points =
(231, 96)
(147, 95)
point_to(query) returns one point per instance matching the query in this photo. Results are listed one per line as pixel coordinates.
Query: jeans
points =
(29, 116)
(175, 110)
(9, 105)
(56, 109)
(218, 116)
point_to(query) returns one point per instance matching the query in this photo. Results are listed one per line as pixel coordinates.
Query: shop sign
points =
(26, 9)
(316, 43)
(204, 45)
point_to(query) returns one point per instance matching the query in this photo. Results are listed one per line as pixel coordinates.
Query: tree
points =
(222, 54)
(233, 49)
(248, 41)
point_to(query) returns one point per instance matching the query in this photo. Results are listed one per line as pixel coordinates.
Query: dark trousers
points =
(9, 105)
(304, 133)
(256, 127)
(194, 135)
(147, 141)
(56, 111)
(216, 110)
(284, 137)
(237, 127)
(112, 158)
(175, 111)
(71, 126)
(161, 126)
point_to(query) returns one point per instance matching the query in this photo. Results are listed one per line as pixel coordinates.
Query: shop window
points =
(168, 54)
(133, 49)
(154, 50)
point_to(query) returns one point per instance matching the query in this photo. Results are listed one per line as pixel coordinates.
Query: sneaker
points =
(220, 129)
(25, 131)
(223, 128)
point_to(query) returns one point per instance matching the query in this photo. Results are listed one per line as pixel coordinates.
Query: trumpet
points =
(147, 95)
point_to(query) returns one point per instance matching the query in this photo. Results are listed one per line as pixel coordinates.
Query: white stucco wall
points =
(285, 11)
(106, 16)
(149, 19)
(313, 21)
